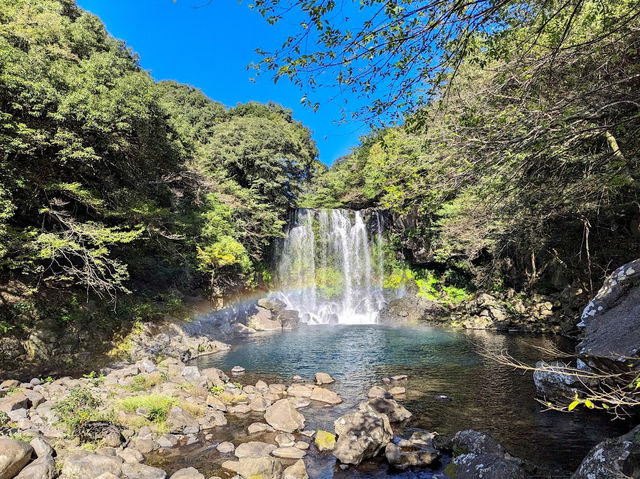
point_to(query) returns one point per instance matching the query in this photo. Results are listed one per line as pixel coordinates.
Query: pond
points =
(483, 395)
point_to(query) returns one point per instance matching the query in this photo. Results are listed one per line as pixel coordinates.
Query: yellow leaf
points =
(573, 405)
(605, 406)
(589, 404)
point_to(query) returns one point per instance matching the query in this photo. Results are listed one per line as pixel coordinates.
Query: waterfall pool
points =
(484, 395)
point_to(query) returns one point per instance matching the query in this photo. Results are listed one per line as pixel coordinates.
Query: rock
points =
(297, 471)
(474, 466)
(258, 427)
(299, 403)
(408, 454)
(259, 404)
(361, 435)
(325, 441)
(187, 473)
(86, 465)
(144, 444)
(394, 411)
(324, 378)
(614, 459)
(411, 308)
(397, 391)
(442, 397)
(289, 453)
(262, 387)
(253, 449)
(42, 468)
(377, 392)
(611, 320)
(285, 439)
(555, 381)
(167, 440)
(272, 304)
(216, 403)
(41, 447)
(289, 319)
(308, 433)
(252, 468)
(181, 421)
(399, 377)
(130, 455)
(324, 395)
(142, 471)
(225, 447)
(240, 409)
(17, 400)
(14, 455)
(191, 374)
(34, 397)
(284, 417)
(215, 375)
(475, 442)
(263, 320)
(240, 329)
(302, 445)
(299, 390)
(237, 370)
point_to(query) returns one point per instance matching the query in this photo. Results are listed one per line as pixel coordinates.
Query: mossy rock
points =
(451, 470)
(325, 441)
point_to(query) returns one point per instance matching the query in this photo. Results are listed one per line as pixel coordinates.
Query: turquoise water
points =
(484, 395)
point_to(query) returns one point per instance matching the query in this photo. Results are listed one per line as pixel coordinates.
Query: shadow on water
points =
(484, 395)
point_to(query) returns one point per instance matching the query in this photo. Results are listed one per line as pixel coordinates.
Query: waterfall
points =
(328, 269)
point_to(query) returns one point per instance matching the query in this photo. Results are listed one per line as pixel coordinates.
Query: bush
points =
(78, 407)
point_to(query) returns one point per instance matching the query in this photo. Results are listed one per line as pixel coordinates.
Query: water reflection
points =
(485, 395)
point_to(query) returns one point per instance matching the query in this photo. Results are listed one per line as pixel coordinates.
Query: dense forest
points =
(113, 183)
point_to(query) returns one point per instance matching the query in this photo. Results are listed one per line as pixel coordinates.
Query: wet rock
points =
(272, 304)
(324, 395)
(285, 439)
(397, 391)
(254, 449)
(289, 319)
(299, 390)
(377, 392)
(284, 417)
(399, 377)
(259, 404)
(324, 378)
(302, 445)
(258, 427)
(361, 435)
(489, 466)
(263, 320)
(325, 441)
(614, 459)
(187, 473)
(251, 468)
(554, 381)
(42, 468)
(237, 370)
(394, 411)
(476, 442)
(86, 465)
(408, 454)
(411, 308)
(289, 453)
(225, 447)
(142, 471)
(442, 397)
(297, 471)
(14, 455)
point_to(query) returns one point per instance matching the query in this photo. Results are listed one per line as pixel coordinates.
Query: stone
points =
(308, 433)
(142, 471)
(253, 449)
(144, 444)
(263, 320)
(476, 442)
(225, 447)
(302, 445)
(299, 390)
(41, 447)
(324, 378)
(240, 409)
(167, 440)
(411, 308)
(285, 439)
(259, 404)
(86, 465)
(361, 435)
(397, 391)
(215, 375)
(258, 427)
(284, 417)
(262, 387)
(325, 441)
(613, 458)
(394, 411)
(187, 473)
(399, 377)
(474, 466)
(237, 370)
(191, 374)
(17, 400)
(216, 403)
(299, 403)
(181, 421)
(289, 453)
(377, 392)
(324, 395)
(255, 467)
(296, 471)
(42, 468)
(555, 381)
(406, 454)
(14, 455)
(289, 319)
(130, 455)
(34, 397)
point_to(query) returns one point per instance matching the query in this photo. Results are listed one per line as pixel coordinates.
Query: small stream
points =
(484, 395)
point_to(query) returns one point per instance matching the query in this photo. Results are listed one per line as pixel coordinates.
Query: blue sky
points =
(210, 48)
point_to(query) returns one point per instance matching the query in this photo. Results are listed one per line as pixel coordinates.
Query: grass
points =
(157, 405)
(78, 407)
(144, 382)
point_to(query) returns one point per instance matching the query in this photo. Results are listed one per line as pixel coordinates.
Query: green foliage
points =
(4, 419)
(78, 407)
(156, 405)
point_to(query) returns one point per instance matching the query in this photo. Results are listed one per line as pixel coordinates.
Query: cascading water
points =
(330, 269)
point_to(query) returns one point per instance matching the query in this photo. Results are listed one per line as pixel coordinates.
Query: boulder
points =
(614, 458)
(263, 320)
(258, 427)
(181, 421)
(325, 441)
(324, 395)
(611, 320)
(289, 453)
(324, 378)
(361, 435)
(255, 467)
(254, 449)
(299, 390)
(474, 466)
(187, 473)
(283, 416)
(42, 468)
(225, 447)
(289, 319)
(553, 382)
(285, 439)
(408, 454)
(14, 455)
(297, 471)
(411, 308)
(273, 304)
(394, 411)
(41, 447)
(141, 471)
(476, 442)
(89, 466)
(17, 400)
(377, 392)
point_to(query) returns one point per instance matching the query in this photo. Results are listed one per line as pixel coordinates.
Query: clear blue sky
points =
(210, 48)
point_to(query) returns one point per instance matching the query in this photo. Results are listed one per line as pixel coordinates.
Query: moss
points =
(451, 470)
(325, 441)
